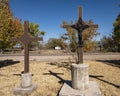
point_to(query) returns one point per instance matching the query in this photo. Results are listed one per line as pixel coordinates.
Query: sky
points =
(50, 14)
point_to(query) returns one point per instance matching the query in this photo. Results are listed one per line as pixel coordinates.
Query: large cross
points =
(80, 25)
(26, 39)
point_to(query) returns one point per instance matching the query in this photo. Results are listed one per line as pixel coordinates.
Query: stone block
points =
(80, 76)
(24, 91)
(26, 80)
(26, 86)
(92, 90)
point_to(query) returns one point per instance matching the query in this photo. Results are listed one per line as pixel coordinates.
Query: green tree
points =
(108, 43)
(34, 31)
(116, 32)
(53, 42)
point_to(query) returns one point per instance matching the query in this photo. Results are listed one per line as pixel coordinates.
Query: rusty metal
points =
(26, 39)
(80, 26)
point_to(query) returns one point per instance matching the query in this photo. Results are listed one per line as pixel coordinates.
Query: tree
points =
(71, 37)
(53, 42)
(116, 32)
(108, 43)
(5, 17)
(88, 37)
(9, 25)
(34, 31)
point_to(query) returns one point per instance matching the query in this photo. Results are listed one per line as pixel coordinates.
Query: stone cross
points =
(26, 39)
(80, 26)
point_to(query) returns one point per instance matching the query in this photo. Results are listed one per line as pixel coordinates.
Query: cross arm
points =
(37, 38)
(15, 39)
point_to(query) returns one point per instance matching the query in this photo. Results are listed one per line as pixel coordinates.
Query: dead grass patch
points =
(49, 77)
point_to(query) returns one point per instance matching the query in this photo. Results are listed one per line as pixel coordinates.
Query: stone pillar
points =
(80, 76)
(26, 86)
(81, 86)
(26, 80)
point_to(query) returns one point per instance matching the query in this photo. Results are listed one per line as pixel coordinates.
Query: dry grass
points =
(107, 76)
(49, 77)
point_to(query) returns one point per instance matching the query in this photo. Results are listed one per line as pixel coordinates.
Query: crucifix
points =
(80, 26)
(26, 39)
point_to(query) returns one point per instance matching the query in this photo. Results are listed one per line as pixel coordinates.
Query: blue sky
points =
(50, 14)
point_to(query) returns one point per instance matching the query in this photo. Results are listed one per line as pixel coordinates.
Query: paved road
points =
(64, 57)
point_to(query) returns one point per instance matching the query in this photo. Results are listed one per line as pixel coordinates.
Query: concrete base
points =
(80, 76)
(26, 80)
(93, 90)
(26, 86)
(24, 91)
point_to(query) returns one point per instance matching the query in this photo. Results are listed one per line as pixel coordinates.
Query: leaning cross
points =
(80, 25)
(26, 39)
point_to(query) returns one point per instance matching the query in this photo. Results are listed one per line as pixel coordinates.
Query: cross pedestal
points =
(26, 86)
(81, 86)
(80, 76)
(93, 90)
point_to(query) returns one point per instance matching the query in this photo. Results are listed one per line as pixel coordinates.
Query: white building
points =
(57, 48)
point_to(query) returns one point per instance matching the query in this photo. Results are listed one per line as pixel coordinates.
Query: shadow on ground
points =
(57, 76)
(67, 65)
(115, 63)
(7, 62)
(98, 77)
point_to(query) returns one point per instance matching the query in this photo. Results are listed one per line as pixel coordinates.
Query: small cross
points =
(80, 25)
(26, 39)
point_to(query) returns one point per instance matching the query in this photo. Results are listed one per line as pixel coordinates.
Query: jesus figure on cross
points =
(80, 26)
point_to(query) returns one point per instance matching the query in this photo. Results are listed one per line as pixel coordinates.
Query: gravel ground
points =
(49, 73)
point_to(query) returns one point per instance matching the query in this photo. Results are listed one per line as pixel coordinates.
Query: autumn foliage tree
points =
(5, 18)
(71, 37)
(89, 37)
(9, 26)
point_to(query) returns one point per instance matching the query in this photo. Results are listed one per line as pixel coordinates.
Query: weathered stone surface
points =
(26, 80)
(24, 91)
(80, 76)
(26, 86)
(92, 90)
